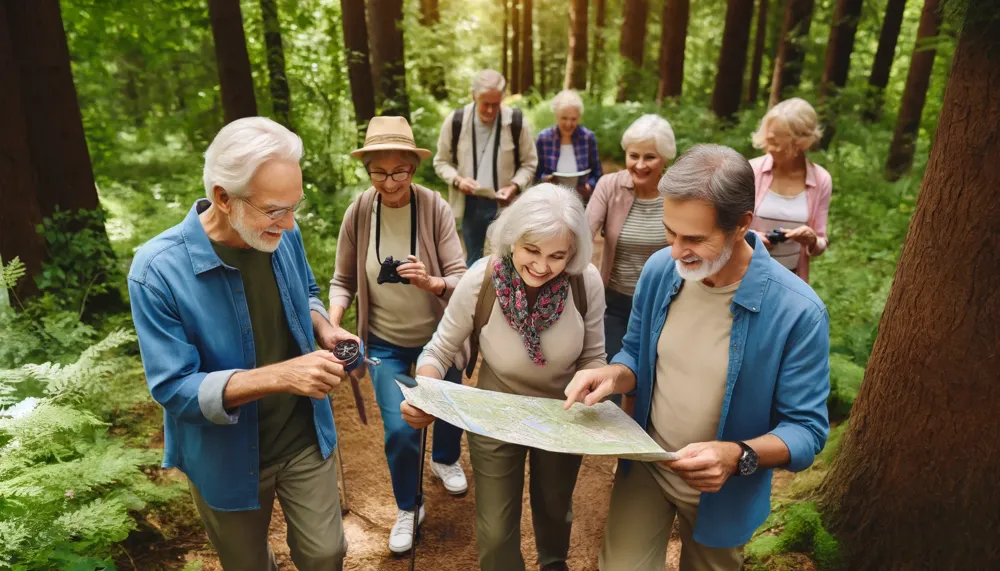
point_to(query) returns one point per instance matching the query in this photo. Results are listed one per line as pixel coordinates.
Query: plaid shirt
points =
(584, 145)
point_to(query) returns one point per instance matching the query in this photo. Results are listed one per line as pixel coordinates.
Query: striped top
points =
(641, 236)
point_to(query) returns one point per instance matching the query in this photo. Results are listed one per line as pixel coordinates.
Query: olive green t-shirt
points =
(284, 421)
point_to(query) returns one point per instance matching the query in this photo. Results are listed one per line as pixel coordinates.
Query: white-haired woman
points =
(398, 221)
(629, 210)
(568, 147)
(542, 325)
(793, 193)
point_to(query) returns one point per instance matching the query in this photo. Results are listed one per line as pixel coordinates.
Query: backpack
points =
(484, 307)
(516, 122)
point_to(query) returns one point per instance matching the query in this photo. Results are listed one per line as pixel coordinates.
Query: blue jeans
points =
(402, 443)
(619, 307)
(479, 214)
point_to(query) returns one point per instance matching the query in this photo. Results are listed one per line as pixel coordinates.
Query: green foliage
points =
(10, 273)
(803, 532)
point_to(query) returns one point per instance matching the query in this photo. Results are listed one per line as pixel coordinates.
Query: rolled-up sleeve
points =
(801, 392)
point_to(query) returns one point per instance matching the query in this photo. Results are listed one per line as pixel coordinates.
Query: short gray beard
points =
(707, 269)
(254, 239)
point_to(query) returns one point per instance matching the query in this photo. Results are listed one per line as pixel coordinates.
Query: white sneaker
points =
(452, 476)
(401, 536)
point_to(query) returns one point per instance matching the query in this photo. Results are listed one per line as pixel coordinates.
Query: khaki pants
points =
(638, 529)
(498, 469)
(306, 487)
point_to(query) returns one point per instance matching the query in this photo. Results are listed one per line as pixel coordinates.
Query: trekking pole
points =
(412, 383)
(352, 354)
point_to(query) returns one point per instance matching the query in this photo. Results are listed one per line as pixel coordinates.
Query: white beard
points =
(255, 239)
(706, 269)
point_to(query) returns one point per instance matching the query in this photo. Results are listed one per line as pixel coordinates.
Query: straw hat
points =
(390, 134)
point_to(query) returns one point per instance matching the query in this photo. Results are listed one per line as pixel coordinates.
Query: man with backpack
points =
(486, 154)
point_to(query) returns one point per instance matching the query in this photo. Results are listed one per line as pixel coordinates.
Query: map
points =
(599, 430)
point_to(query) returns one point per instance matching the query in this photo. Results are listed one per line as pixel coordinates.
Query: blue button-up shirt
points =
(777, 383)
(191, 316)
(549, 145)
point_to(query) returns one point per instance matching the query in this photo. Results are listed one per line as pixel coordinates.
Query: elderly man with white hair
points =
(228, 315)
(568, 147)
(486, 155)
(727, 355)
(534, 308)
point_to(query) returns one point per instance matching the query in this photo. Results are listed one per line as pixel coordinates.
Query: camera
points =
(389, 272)
(775, 236)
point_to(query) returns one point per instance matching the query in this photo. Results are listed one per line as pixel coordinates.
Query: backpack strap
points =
(516, 122)
(579, 295)
(484, 307)
(456, 130)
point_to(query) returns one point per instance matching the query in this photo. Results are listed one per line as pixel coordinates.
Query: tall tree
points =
(281, 98)
(922, 434)
(879, 78)
(576, 62)
(235, 79)
(359, 69)
(515, 47)
(846, 15)
(791, 50)
(434, 74)
(732, 58)
(673, 36)
(19, 212)
(596, 62)
(632, 47)
(774, 25)
(528, 48)
(914, 94)
(386, 19)
(505, 49)
(753, 86)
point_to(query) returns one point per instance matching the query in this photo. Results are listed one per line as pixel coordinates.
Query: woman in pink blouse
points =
(793, 193)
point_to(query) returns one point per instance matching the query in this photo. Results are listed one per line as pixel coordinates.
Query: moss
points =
(802, 532)
(845, 381)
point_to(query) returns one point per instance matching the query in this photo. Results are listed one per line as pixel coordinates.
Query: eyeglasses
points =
(397, 176)
(279, 213)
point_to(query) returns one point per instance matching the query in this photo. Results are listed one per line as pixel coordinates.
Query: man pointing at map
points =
(726, 354)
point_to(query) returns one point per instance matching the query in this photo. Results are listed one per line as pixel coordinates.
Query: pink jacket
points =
(608, 208)
(819, 187)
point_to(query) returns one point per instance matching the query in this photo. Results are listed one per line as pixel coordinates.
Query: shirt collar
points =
(199, 247)
(751, 290)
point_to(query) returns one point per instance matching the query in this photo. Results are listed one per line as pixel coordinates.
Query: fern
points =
(12, 272)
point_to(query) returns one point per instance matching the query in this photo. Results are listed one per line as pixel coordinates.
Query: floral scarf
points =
(513, 299)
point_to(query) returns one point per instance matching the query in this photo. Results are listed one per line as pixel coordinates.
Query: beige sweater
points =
(572, 343)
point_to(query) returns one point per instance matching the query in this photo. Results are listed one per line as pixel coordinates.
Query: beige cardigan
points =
(435, 233)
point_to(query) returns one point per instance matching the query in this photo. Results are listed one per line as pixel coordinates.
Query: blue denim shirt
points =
(777, 383)
(191, 316)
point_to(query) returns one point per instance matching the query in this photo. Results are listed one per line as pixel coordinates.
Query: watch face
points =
(748, 463)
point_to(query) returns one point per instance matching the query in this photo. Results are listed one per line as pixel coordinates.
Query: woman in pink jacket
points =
(793, 193)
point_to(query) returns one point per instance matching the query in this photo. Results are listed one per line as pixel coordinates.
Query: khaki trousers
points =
(498, 469)
(306, 486)
(638, 529)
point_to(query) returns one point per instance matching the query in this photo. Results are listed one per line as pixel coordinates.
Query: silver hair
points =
(545, 211)
(488, 80)
(567, 98)
(409, 156)
(240, 148)
(718, 175)
(652, 128)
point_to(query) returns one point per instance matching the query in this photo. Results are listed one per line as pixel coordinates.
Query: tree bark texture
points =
(846, 15)
(753, 86)
(892, 23)
(913, 485)
(515, 47)
(359, 69)
(918, 79)
(281, 98)
(505, 49)
(597, 62)
(791, 50)
(386, 19)
(673, 37)
(732, 58)
(632, 48)
(528, 48)
(235, 78)
(576, 62)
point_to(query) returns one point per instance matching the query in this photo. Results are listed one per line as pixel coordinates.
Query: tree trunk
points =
(914, 94)
(775, 22)
(281, 98)
(791, 51)
(838, 61)
(596, 62)
(632, 48)
(916, 471)
(673, 36)
(433, 75)
(235, 78)
(359, 69)
(732, 58)
(753, 87)
(387, 34)
(528, 49)
(576, 63)
(505, 50)
(19, 212)
(515, 47)
(879, 78)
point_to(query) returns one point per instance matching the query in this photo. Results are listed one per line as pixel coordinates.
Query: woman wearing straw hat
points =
(400, 254)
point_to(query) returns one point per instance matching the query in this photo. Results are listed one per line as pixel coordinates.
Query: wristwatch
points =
(748, 460)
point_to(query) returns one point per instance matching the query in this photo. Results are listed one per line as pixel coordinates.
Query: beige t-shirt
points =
(692, 361)
(572, 343)
(402, 314)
